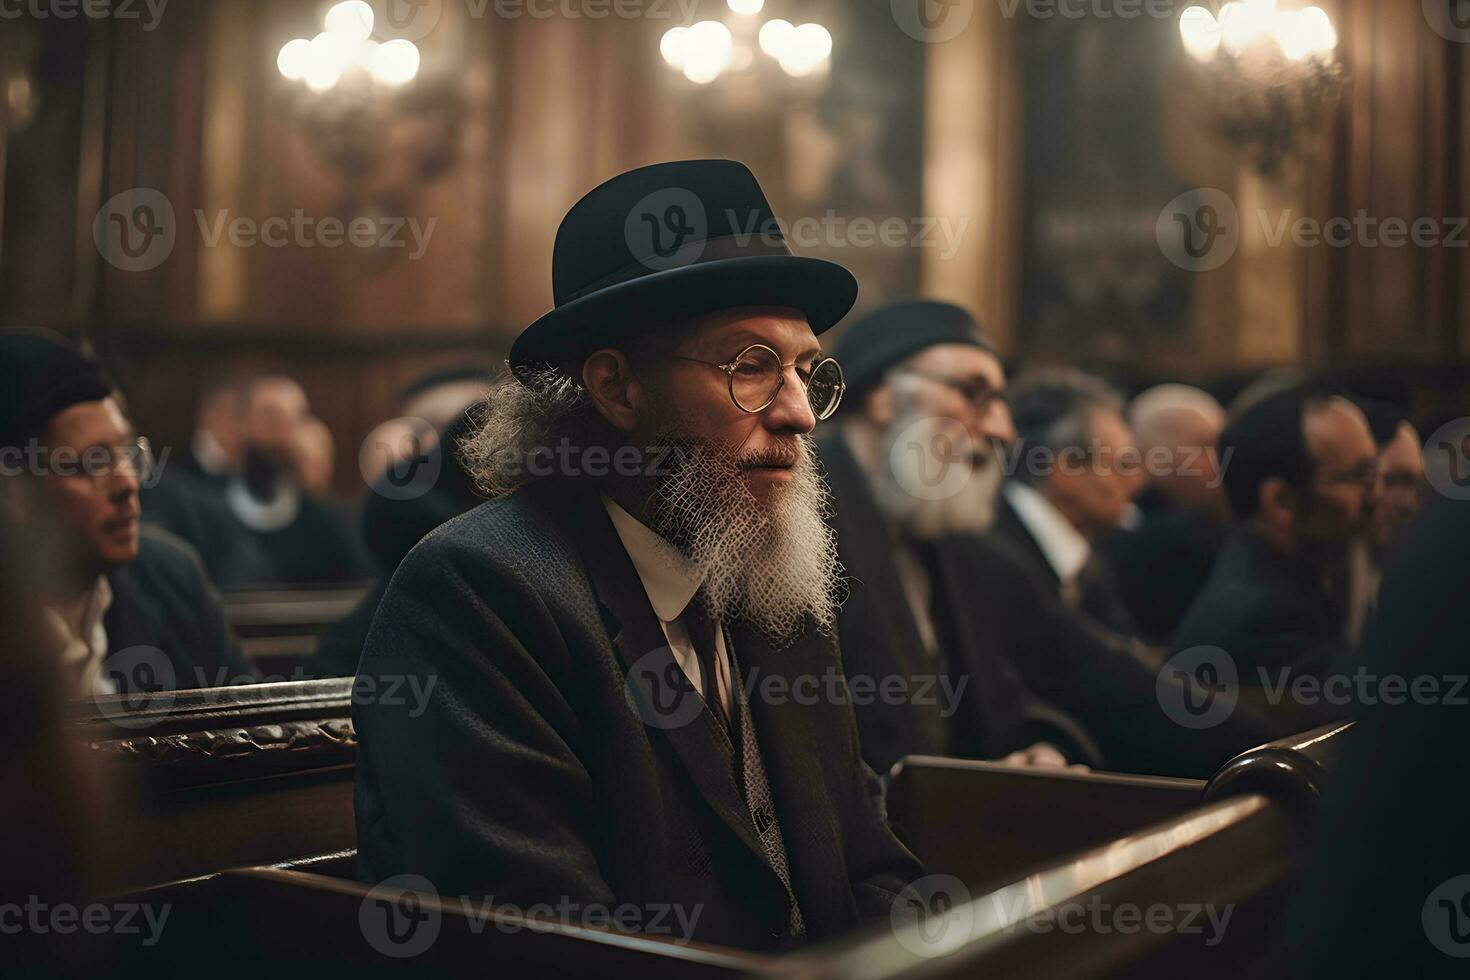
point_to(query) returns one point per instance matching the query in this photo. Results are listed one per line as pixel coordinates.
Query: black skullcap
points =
(1265, 441)
(891, 335)
(43, 373)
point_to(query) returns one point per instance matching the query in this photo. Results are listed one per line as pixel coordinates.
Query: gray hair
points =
(1054, 407)
(522, 418)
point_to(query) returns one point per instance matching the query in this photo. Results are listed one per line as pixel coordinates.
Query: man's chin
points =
(120, 548)
(763, 481)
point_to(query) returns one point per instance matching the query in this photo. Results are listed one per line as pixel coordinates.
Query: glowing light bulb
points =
(706, 51)
(671, 46)
(1200, 32)
(1317, 27)
(353, 19)
(395, 62)
(746, 7)
(806, 49)
(774, 35)
(294, 59)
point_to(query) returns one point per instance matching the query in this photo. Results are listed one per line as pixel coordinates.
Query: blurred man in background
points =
(922, 376)
(73, 467)
(1162, 560)
(262, 526)
(1077, 470)
(1400, 495)
(1302, 482)
(916, 474)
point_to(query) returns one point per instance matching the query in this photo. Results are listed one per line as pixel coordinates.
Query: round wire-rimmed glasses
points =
(756, 376)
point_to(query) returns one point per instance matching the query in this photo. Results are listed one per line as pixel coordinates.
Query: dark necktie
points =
(701, 630)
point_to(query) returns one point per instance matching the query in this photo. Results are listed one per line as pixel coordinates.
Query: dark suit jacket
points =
(317, 548)
(1270, 613)
(163, 599)
(1161, 565)
(1393, 825)
(530, 777)
(880, 638)
(1100, 677)
(1099, 597)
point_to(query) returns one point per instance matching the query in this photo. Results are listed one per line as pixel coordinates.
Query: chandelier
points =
(365, 107)
(704, 51)
(1269, 76)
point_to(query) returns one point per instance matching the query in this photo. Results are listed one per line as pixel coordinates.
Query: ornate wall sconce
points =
(368, 109)
(1269, 75)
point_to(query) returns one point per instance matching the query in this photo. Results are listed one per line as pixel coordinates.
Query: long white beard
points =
(769, 564)
(903, 473)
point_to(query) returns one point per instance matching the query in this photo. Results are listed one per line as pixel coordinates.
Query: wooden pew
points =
(260, 920)
(199, 781)
(1242, 851)
(278, 629)
(987, 823)
(1020, 843)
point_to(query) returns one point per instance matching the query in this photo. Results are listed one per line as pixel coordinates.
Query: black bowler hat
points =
(665, 243)
(892, 334)
(42, 373)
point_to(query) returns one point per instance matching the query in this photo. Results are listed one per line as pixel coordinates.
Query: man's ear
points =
(1278, 502)
(615, 392)
(878, 406)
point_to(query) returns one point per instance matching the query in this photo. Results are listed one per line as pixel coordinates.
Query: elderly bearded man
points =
(591, 630)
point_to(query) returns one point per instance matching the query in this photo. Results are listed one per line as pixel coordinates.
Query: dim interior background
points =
(1047, 145)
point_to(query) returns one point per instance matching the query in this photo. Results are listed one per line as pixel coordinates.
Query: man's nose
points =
(791, 411)
(122, 484)
(996, 424)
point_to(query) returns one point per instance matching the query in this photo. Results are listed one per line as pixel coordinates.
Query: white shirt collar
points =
(265, 517)
(1065, 548)
(84, 637)
(667, 575)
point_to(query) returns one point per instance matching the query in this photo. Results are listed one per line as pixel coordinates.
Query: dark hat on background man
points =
(42, 373)
(667, 243)
(892, 334)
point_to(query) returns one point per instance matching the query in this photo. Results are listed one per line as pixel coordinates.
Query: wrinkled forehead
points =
(722, 335)
(960, 361)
